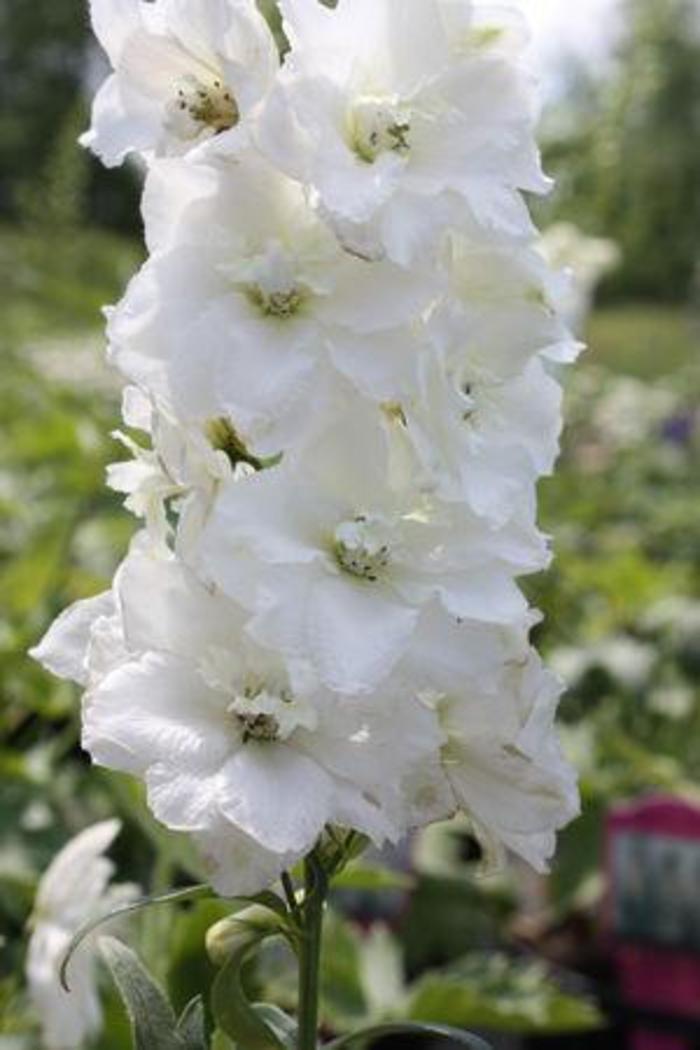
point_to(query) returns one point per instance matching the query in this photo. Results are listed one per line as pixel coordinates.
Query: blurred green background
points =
(622, 603)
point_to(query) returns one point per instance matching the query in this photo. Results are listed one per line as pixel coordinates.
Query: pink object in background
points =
(653, 912)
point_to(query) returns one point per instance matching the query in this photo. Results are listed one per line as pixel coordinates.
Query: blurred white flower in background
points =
(587, 260)
(74, 891)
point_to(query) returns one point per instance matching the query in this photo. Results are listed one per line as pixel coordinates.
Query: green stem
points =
(316, 888)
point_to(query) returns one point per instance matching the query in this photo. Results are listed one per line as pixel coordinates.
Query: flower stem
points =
(316, 889)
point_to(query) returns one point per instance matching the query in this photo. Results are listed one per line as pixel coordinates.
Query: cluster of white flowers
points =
(338, 356)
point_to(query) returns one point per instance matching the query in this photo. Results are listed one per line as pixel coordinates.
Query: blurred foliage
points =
(364, 982)
(626, 153)
(47, 57)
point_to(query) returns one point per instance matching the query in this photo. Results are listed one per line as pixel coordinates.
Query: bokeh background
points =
(529, 961)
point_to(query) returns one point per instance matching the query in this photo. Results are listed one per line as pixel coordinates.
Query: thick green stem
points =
(310, 954)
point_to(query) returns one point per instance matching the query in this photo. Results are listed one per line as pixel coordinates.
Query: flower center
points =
(361, 547)
(261, 728)
(223, 436)
(281, 304)
(260, 713)
(377, 126)
(265, 712)
(199, 106)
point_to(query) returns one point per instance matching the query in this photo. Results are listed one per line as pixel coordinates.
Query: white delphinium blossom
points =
(185, 72)
(496, 704)
(182, 469)
(481, 410)
(74, 890)
(504, 302)
(481, 440)
(224, 737)
(246, 298)
(336, 553)
(403, 115)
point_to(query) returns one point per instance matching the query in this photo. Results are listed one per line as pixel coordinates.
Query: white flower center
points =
(200, 106)
(280, 304)
(376, 126)
(265, 715)
(262, 706)
(361, 547)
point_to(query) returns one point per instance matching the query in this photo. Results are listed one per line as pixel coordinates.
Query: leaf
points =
(192, 1027)
(284, 1027)
(153, 1021)
(369, 877)
(497, 994)
(472, 1042)
(252, 1027)
(240, 1021)
(174, 897)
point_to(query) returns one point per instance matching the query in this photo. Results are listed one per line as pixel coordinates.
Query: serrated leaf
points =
(153, 1021)
(472, 1042)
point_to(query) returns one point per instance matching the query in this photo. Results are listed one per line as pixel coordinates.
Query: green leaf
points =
(495, 993)
(240, 1021)
(252, 1027)
(192, 1027)
(472, 1042)
(174, 897)
(368, 877)
(284, 1026)
(153, 1021)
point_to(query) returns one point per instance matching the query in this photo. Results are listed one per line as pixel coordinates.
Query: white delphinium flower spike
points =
(185, 72)
(403, 118)
(340, 556)
(73, 891)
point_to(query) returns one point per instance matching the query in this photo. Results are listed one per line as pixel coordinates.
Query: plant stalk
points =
(316, 889)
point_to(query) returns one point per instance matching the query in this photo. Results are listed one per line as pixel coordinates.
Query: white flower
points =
(397, 111)
(182, 470)
(483, 440)
(185, 72)
(339, 556)
(225, 738)
(502, 759)
(83, 641)
(74, 890)
(501, 309)
(240, 313)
